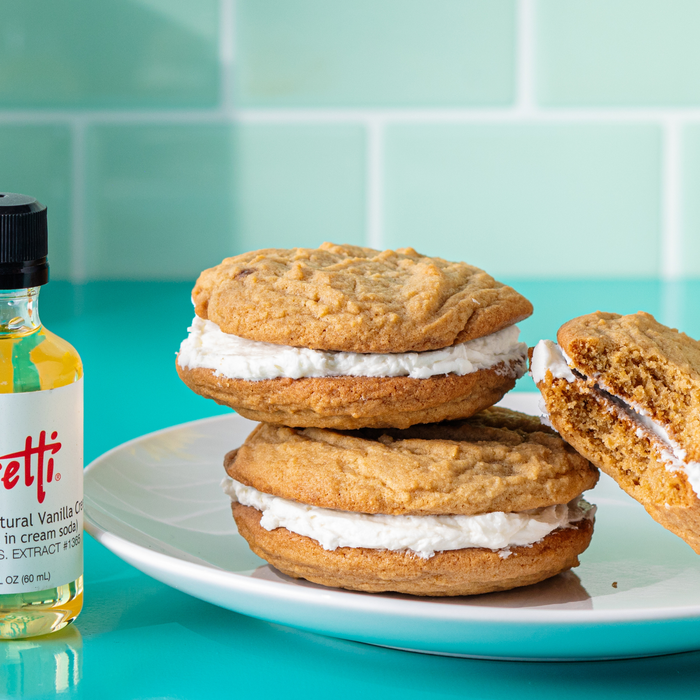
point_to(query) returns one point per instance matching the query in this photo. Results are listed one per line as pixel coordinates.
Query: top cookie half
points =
(651, 367)
(353, 299)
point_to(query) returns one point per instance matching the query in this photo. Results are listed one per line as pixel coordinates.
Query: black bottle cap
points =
(24, 242)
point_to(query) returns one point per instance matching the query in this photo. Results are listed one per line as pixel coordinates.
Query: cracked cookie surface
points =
(353, 299)
(498, 460)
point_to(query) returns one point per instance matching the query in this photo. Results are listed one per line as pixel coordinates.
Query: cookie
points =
(625, 392)
(408, 339)
(497, 460)
(352, 299)
(485, 504)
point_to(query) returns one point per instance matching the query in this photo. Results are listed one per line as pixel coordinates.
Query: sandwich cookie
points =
(625, 392)
(349, 337)
(484, 504)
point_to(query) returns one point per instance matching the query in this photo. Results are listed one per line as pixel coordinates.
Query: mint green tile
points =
(690, 236)
(392, 53)
(36, 160)
(159, 200)
(618, 52)
(299, 186)
(527, 200)
(112, 53)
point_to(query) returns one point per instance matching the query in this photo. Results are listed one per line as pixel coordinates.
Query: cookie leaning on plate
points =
(484, 504)
(625, 392)
(350, 337)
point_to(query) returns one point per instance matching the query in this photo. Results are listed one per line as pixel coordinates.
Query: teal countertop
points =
(137, 638)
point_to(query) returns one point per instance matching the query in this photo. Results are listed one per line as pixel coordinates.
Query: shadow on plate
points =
(561, 591)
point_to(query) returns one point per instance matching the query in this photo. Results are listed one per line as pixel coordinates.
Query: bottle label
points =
(41, 489)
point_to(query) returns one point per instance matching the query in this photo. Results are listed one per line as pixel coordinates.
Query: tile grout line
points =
(227, 53)
(346, 115)
(374, 186)
(364, 116)
(463, 116)
(78, 239)
(525, 68)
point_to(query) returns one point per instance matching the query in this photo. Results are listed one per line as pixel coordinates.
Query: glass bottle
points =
(41, 450)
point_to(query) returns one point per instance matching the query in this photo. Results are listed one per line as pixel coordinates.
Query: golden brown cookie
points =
(626, 396)
(498, 460)
(347, 298)
(450, 573)
(644, 363)
(354, 402)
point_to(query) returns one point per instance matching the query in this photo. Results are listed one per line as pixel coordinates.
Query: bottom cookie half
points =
(349, 403)
(450, 573)
(589, 421)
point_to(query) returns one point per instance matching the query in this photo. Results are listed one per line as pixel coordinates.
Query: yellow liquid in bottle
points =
(32, 359)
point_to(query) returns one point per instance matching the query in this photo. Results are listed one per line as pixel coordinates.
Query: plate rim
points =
(357, 601)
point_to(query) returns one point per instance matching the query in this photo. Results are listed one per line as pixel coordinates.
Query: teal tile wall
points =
(618, 52)
(159, 200)
(164, 202)
(112, 53)
(315, 53)
(37, 159)
(521, 199)
(299, 185)
(541, 139)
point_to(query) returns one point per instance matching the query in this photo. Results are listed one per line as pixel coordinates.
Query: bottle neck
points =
(19, 311)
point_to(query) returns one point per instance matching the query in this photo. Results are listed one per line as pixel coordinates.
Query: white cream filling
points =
(549, 356)
(207, 346)
(422, 534)
(673, 455)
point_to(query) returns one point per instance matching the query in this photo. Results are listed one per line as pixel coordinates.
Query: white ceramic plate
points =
(157, 504)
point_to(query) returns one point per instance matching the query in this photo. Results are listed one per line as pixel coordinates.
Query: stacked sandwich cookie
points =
(379, 464)
(625, 392)
(488, 503)
(349, 337)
